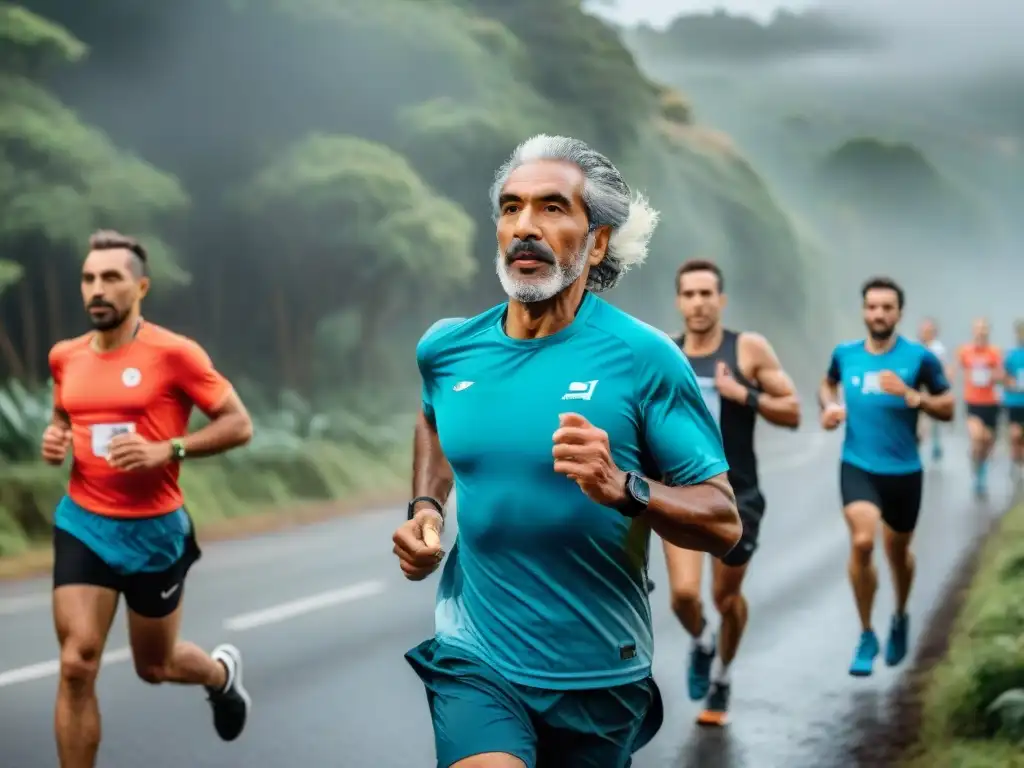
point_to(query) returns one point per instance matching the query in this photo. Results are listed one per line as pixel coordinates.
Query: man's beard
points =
(532, 289)
(108, 321)
(881, 334)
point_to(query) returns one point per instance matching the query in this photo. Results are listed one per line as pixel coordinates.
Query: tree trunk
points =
(285, 358)
(10, 355)
(51, 285)
(30, 335)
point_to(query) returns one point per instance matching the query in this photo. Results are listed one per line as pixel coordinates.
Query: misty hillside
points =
(898, 154)
(241, 134)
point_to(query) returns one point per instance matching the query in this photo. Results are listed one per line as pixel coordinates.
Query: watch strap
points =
(411, 512)
(752, 398)
(177, 449)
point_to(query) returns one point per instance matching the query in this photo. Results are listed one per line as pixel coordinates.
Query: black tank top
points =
(736, 421)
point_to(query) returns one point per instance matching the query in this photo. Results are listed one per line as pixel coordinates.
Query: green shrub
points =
(985, 661)
(24, 415)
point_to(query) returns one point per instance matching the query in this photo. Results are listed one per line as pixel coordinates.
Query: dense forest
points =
(311, 181)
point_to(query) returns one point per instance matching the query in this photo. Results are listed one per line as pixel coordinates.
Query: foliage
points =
(985, 659)
(23, 417)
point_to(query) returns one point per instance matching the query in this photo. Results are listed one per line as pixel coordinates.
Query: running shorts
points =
(751, 505)
(1015, 414)
(475, 711)
(986, 414)
(148, 571)
(898, 497)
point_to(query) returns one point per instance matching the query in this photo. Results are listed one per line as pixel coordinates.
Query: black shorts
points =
(986, 414)
(751, 507)
(150, 594)
(1015, 414)
(898, 497)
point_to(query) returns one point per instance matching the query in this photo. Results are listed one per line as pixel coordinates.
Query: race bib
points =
(102, 434)
(712, 399)
(981, 376)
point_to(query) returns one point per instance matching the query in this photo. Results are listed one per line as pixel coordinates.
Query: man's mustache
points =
(99, 304)
(529, 249)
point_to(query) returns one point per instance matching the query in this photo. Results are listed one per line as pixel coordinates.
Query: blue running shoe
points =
(699, 677)
(896, 648)
(864, 657)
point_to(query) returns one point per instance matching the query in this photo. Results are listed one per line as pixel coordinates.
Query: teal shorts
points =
(474, 711)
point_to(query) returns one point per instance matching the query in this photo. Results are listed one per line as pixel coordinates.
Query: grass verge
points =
(985, 658)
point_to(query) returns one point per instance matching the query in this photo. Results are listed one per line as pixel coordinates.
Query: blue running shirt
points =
(881, 429)
(543, 584)
(1014, 365)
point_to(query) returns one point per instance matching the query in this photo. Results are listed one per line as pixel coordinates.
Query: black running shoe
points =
(716, 712)
(232, 704)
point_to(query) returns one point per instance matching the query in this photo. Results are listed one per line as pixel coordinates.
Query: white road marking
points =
(272, 615)
(52, 667)
(290, 610)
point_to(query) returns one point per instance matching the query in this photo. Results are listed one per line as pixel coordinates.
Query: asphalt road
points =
(323, 617)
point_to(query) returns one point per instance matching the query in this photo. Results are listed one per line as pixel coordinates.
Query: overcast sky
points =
(659, 12)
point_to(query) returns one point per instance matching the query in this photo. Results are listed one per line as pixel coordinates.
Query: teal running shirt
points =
(1013, 396)
(543, 584)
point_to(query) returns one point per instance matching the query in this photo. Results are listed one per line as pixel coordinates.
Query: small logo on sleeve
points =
(580, 390)
(627, 651)
(463, 385)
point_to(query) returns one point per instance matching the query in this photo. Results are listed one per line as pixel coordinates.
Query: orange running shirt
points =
(148, 386)
(980, 365)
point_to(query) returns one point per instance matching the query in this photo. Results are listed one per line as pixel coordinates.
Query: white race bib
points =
(712, 399)
(981, 376)
(102, 434)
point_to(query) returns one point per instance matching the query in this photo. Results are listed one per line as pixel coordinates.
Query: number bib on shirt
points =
(981, 376)
(102, 434)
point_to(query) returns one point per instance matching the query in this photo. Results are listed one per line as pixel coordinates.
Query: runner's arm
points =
(694, 506)
(230, 424)
(59, 417)
(777, 401)
(828, 392)
(937, 400)
(431, 473)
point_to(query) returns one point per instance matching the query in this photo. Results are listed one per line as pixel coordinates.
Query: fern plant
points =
(24, 415)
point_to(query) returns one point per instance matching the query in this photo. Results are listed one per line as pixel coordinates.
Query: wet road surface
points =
(323, 617)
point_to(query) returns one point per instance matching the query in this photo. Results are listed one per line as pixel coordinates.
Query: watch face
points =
(639, 489)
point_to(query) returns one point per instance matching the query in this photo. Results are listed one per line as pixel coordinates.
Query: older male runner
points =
(122, 398)
(1013, 399)
(981, 364)
(880, 475)
(928, 334)
(571, 430)
(741, 378)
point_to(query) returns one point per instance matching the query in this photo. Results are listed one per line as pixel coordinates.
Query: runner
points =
(554, 409)
(1013, 399)
(740, 377)
(122, 398)
(880, 474)
(982, 368)
(928, 334)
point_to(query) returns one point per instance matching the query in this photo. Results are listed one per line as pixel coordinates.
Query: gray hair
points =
(607, 198)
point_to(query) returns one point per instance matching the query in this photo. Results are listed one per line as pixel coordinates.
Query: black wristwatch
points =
(178, 449)
(638, 495)
(411, 511)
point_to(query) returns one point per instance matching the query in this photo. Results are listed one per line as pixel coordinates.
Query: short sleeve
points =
(425, 351)
(678, 429)
(931, 375)
(56, 362)
(197, 378)
(835, 373)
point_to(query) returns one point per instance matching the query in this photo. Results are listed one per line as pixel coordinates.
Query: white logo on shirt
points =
(463, 385)
(580, 390)
(131, 377)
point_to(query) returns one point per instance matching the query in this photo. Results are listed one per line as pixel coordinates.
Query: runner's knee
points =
(80, 663)
(685, 599)
(727, 600)
(154, 674)
(863, 546)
